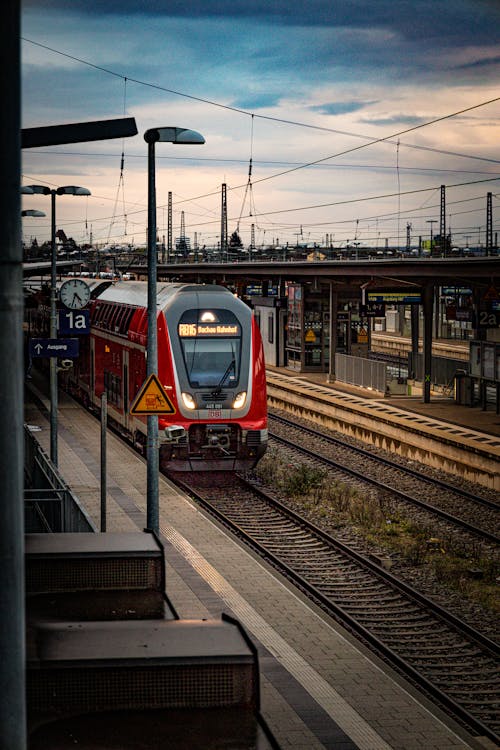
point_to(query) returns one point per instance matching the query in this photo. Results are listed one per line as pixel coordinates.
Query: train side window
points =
(117, 319)
(270, 329)
(108, 309)
(96, 314)
(113, 388)
(115, 314)
(125, 324)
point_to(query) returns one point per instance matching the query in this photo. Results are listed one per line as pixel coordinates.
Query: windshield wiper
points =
(217, 390)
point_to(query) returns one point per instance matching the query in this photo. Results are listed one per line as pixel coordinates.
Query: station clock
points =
(75, 294)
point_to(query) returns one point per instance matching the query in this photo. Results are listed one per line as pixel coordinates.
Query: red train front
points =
(210, 364)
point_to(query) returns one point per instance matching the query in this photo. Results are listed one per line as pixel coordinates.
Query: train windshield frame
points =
(211, 348)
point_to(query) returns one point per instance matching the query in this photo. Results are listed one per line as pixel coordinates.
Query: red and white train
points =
(210, 365)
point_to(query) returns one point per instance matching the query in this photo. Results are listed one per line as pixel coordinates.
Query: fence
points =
(49, 504)
(360, 371)
(443, 370)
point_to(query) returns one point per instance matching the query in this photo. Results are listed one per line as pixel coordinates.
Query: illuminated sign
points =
(193, 330)
(395, 298)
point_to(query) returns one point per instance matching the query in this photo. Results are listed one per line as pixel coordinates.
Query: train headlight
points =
(188, 400)
(240, 399)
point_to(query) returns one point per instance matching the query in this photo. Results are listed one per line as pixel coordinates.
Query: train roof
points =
(135, 293)
(96, 286)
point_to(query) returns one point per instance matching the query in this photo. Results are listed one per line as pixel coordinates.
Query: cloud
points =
(256, 101)
(377, 67)
(395, 120)
(415, 19)
(340, 108)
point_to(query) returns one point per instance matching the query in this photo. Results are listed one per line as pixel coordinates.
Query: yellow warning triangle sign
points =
(152, 399)
(310, 336)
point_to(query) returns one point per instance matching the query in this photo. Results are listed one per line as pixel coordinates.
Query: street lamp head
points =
(38, 189)
(72, 190)
(174, 135)
(32, 212)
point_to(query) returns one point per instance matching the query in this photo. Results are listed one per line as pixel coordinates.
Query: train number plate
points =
(214, 413)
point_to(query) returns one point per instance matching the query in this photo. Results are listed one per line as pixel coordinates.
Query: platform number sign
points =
(74, 321)
(488, 318)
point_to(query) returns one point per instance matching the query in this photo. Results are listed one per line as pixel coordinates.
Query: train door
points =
(281, 335)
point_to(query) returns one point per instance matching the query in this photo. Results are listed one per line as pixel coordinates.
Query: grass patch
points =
(458, 565)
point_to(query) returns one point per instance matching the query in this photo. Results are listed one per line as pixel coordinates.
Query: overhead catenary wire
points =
(248, 186)
(319, 162)
(121, 186)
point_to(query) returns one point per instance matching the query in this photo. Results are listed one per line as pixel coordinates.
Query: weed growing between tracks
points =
(455, 565)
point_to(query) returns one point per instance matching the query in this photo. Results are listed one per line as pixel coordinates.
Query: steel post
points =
(427, 299)
(152, 349)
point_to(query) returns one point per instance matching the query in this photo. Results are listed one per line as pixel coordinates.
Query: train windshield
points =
(211, 346)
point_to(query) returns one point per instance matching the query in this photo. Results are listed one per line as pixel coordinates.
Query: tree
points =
(235, 241)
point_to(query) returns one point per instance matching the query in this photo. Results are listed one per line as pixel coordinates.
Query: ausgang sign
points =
(64, 348)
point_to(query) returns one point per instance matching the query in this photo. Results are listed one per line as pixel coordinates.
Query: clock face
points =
(75, 294)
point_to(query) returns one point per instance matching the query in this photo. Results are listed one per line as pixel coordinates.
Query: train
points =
(211, 371)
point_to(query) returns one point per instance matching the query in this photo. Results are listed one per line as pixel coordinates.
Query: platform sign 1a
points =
(71, 322)
(63, 348)
(152, 399)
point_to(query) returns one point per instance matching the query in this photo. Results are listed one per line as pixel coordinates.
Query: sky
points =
(328, 121)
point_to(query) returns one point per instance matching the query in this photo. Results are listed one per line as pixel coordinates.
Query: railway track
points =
(445, 657)
(472, 513)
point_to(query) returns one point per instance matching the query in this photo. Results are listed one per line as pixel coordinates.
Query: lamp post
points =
(153, 136)
(44, 190)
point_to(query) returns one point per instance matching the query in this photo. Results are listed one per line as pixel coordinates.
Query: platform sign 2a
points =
(71, 322)
(152, 399)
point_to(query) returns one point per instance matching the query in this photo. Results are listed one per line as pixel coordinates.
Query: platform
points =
(461, 440)
(319, 687)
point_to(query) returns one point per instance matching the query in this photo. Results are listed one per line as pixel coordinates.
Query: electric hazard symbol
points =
(152, 399)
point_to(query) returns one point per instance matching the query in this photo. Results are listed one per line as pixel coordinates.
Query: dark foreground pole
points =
(12, 650)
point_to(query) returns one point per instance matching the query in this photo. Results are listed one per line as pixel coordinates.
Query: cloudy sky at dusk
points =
(353, 112)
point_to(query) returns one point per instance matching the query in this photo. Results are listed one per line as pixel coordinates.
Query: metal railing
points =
(362, 372)
(50, 505)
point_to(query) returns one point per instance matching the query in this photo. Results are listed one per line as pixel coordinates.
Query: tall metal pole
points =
(53, 333)
(223, 222)
(427, 301)
(153, 462)
(442, 221)
(489, 224)
(169, 228)
(331, 377)
(12, 632)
